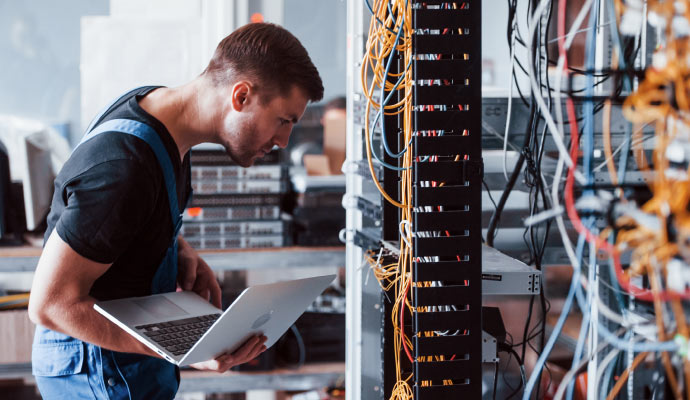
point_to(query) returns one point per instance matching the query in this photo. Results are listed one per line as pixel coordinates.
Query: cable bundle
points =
(656, 234)
(651, 232)
(390, 93)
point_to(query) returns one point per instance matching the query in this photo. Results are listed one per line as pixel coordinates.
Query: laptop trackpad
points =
(160, 307)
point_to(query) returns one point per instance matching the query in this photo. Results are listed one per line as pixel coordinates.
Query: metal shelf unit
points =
(26, 259)
(306, 377)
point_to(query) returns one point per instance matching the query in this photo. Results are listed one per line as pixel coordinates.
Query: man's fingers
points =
(257, 351)
(249, 351)
(222, 356)
(246, 348)
(226, 362)
(254, 352)
(221, 363)
(245, 352)
(206, 284)
(188, 274)
(216, 294)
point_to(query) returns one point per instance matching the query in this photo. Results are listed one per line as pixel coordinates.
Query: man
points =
(112, 228)
(335, 108)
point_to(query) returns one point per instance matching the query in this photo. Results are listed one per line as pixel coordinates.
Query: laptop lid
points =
(262, 309)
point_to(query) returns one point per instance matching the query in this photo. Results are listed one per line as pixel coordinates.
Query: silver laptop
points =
(184, 328)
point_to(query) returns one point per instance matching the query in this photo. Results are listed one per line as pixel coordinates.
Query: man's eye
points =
(284, 121)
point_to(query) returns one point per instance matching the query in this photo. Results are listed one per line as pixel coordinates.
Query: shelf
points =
(275, 257)
(24, 259)
(19, 259)
(307, 377)
(15, 371)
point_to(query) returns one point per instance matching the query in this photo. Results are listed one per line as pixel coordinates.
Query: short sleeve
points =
(106, 206)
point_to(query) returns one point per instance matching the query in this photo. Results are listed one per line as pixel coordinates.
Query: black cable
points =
(496, 216)
(491, 198)
(503, 376)
(504, 347)
(495, 380)
(539, 251)
(300, 345)
(536, 329)
(536, 183)
(488, 192)
(526, 331)
(512, 11)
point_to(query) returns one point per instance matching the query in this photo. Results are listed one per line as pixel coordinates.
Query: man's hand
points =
(249, 351)
(194, 274)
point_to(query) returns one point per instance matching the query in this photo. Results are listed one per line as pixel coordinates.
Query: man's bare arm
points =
(60, 299)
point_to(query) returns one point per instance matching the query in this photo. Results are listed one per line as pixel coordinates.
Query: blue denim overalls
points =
(68, 368)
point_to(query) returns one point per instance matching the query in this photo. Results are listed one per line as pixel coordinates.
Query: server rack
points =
(453, 260)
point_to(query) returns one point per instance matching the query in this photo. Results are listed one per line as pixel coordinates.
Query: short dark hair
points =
(271, 55)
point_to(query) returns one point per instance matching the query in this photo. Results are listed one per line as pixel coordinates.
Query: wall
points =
(321, 27)
(39, 49)
(495, 50)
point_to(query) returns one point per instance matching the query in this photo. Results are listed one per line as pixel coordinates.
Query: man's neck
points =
(179, 110)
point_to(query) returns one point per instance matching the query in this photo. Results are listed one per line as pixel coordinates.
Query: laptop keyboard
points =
(179, 336)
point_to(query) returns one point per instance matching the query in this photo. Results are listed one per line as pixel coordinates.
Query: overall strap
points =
(147, 134)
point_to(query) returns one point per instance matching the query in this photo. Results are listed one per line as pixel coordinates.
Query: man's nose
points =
(281, 142)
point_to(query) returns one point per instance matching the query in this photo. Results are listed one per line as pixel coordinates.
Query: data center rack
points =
(447, 177)
(370, 369)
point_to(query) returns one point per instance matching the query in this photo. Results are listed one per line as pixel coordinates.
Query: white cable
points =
(571, 373)
(567, 244)
(603, 24)
(560, 67)
(510, 99)
(490, 129)
(542, 216)
(607, 311)
(564, 157)
(405, 232)
(604, 365)
(610, 314)
(546, 114)
(618, 149)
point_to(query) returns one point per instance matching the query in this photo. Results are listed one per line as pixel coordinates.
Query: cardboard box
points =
(317, 164)
(334, 130)
(17, 333)
(333, 157)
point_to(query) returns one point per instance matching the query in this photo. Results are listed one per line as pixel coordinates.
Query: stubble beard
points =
(241, 150)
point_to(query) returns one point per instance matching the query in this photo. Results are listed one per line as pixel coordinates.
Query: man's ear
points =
(241, 92)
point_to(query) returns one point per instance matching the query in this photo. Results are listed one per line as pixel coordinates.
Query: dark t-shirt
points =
(111, 206)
